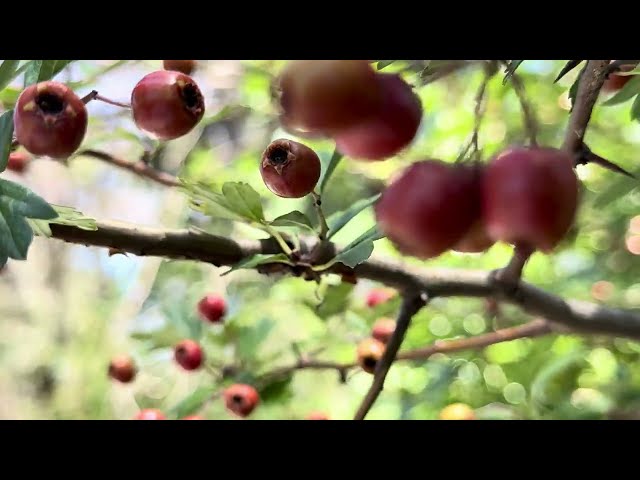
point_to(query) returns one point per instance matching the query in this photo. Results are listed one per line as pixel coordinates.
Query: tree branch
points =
(528, 114)
(411, 304)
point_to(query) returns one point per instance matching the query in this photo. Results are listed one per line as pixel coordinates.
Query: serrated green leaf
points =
(193, 402)
(340, 219)
(355, 255)
(40, 227)
(73, 217)
(293, 219)
(328, 169)
(6, 137)
(630, 90)
(335, 300)
(8, 71)
(384, 63)
(257, 260)
(244, 200)
(230, 204)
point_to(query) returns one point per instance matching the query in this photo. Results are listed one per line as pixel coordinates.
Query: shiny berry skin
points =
(379, 295)
(325, 95)
(429, 207)
(50, 120)
(530, 197)
(370, 352)
(167, 104)
(241, 399)
(476, 240)
(290, 169)
(383, 329)
(18, 161)
(390, 130)
(183, 66)
(317, 416)
(457, 411)
(150, 414)
(212, 308)
(615, 82)
(188, 354)
(122, 368)
(193, 417)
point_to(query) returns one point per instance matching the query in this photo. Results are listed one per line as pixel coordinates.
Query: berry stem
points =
(531, 124)
(324, 228)
(94, 95)
(513, 271)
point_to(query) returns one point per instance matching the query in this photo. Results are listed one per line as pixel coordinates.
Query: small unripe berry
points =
(183, 66)
(290, 169)
(150, 414)
(379, 295)
(50, 120)
(241, 399)
(325, 95)
(317, 416)
(18, 161)
(390, 130)
(457, 411)
(167, 104)
(212, 308)
(383, 329)
(370, 352)
(122, 368)
(188, 354)
(530, 196)
(429, 207)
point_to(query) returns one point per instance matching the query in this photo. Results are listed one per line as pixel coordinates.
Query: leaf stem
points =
(324, 228)
(275, 234)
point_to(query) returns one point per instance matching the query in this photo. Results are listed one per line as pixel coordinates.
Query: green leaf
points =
(293, 219)
(43, 70)
(511, 69)
(259, 259)
(9, 96)
(193, 402)
(8, 71)
(277, 390)
(238, 201)
(244, 200)
(329, 169)
(355, 255)
(59, 66)
(372, 234)
(32, 72)
(40, 227)
(335, 300)
(340, 219)
(557, 379)
(384, 63)
(618, 187)
(635, 109)
(573, 90)
(71, 216)
(6, 137)
(630, 90)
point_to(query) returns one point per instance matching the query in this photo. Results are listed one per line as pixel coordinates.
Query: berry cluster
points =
(51, 120)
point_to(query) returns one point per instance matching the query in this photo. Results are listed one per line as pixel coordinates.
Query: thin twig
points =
(317, 204)
(412, 303)
(478, 113)
(528, 114)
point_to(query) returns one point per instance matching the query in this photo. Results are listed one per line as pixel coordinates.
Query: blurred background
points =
(68, 309)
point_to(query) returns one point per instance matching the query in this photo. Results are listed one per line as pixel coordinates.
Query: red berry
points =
(530, 196)
(193, 417)
(317, 416)
(18, 161)
(122, 368)
(184, 66)
(167, 104)
(457, 411)
(150, 414)
(383, 329)
(50, 120)
(290, 169)
(615, 82)
(188, 354)
(329, 94)
(379, 295)
(241, 399)
(212, 308)
(476, 240)
(370, 352)
(429, 208)
(388, 132)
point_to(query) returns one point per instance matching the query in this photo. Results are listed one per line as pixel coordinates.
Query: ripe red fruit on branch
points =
(50, 120)
(290, 169)
(457, 411)
(615, 81)
(370, 352)
(167, 104)
(241, 399)
(379, 295)
(150, 414)
(317, 416)
(390, 130)
(188, 354)
(530, 196)
(476, 240)
(18, 161)
(383, 329)
(328, 95)
(212, 308)
(429, 207)
(122, 368)
(184, 66)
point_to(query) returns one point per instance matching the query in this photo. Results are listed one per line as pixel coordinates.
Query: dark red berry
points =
(530, 196)
(370, 352)
(50, 120)
(212, 308)
(324, 95)
(476, 240)
(188, 354)
(383, 329)
(122, 368)
(317, 416)
(390, 130)
(290, 169)
(616, 82)
(18, 161)
(167, 104)
(429, 207)
(379, 295)
(241, 399)
(183, 66)
(150, 414)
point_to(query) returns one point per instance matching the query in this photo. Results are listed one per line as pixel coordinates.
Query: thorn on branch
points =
(585, 156)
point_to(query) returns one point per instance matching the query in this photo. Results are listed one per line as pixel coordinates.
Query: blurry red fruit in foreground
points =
(150, 414)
